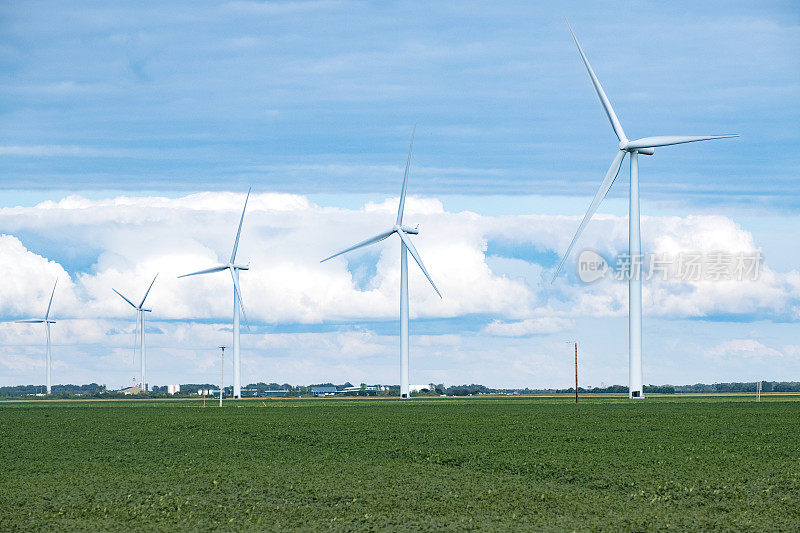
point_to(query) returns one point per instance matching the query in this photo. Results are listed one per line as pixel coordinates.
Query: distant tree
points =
(466, 390)
(659, 389)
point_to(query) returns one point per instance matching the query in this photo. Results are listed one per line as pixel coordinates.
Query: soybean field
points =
(683, 463)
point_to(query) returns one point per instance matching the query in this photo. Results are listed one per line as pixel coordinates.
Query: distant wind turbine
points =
(46, 321)
(644, 146)
(140, 311)
(237, 301)
(405, 245)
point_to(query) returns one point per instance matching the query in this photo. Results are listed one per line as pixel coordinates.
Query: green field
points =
(725, 463)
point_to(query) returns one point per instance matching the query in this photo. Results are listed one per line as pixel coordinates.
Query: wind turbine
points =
(140, 311)
(403, 232)
(644, 146)
(237, 301)
(46, 321)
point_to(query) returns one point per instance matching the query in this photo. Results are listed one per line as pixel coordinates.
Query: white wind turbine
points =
(140, 311)
(237, 301)
(46, 321)
(402, 231)
(644, 146)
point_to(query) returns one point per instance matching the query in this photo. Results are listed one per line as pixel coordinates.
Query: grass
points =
(723, 463)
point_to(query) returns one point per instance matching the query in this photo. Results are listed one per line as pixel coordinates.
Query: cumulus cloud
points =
(28, 280)
(499, 291)
(284, 237)
(739, 348)
(530, 326)
(126, 240)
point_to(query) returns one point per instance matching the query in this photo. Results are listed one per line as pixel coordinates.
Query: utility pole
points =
(221, 373)
(576, 368)
(576, 371)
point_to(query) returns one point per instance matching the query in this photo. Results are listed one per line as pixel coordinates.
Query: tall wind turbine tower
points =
(140, 311)
(644, 146)
(406, 245)
(238, 305)
(46, 321)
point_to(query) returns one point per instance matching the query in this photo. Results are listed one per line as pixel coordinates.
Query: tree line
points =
(94, 390)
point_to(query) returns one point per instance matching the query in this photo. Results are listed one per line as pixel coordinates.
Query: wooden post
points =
(576, 371)
(221, 374)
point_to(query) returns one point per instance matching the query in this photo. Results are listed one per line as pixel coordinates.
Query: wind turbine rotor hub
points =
(623, 145)
(409, 230)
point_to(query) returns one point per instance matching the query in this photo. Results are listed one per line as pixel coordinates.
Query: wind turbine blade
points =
(47, 314)
(121, 296)
(405, 180)
(612, 117)
(611, 175)
(668, 140)
(206, 271)
(148, 290)
(417, 258)
(239, 231)
(371, 240)
(239, 298)
(30, 321)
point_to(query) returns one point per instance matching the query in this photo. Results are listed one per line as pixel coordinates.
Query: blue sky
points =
(314, 97)
(317, 100)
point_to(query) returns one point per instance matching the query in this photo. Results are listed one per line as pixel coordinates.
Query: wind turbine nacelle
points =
(624, 145)
(409, 229)
(241, 267)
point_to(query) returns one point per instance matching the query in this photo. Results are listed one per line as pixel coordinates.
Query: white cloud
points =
(61, 151)
(742, 348)
(285, 8)
(284, 237)
(122, 242)
(28, 280)
(791, 350)
(16, 362)
(128, 239)
(530, 326)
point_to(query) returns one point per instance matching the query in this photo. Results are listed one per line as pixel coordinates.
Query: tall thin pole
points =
(141, 350)
(404, 387)
(221, 374)
(634, 286)
(237, 384)
(576, 371)
(136, 340)
(48, 361)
